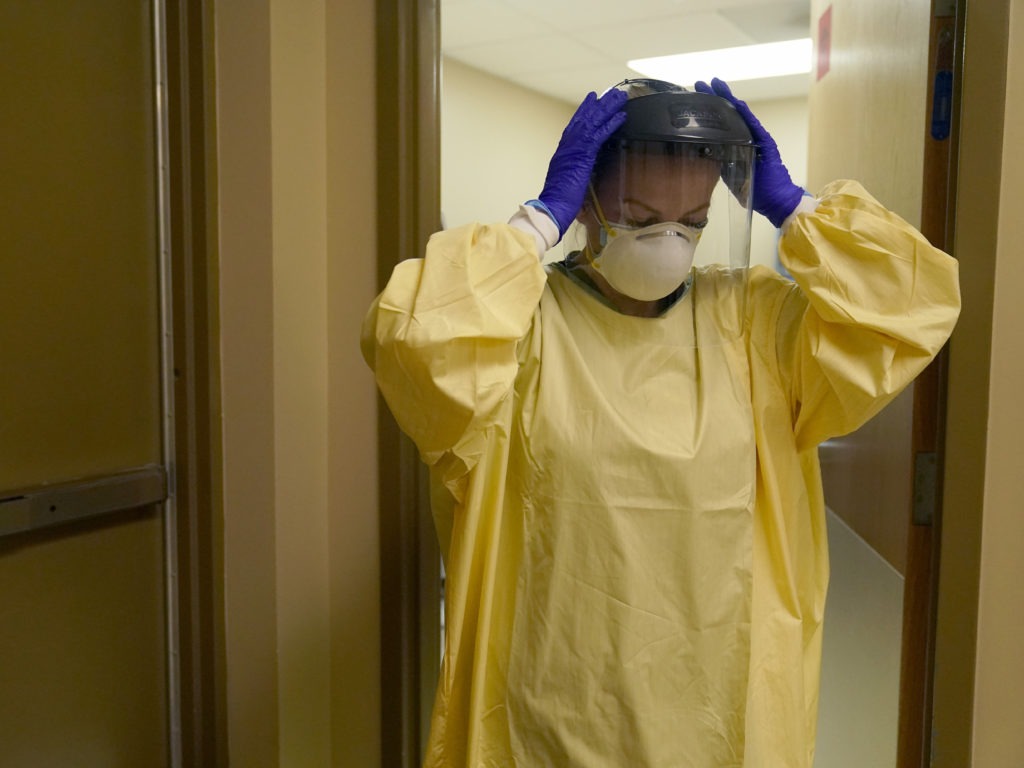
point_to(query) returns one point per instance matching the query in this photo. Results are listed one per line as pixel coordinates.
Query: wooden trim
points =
(920, 593)
(408, 195)
(196, 388)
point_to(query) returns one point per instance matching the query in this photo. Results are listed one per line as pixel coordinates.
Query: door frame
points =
(199, 727)
(924, 519)
(408, 115)
(409, 193)
(974, 221)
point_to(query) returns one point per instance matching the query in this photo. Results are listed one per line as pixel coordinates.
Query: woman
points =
(623, 447)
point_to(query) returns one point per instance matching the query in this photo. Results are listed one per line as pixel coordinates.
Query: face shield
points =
(670, 204)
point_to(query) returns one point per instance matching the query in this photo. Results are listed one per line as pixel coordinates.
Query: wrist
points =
(540, 206)
(539, 225)
(807, 204)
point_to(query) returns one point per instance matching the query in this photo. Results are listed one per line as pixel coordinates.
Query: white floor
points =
(860, 667)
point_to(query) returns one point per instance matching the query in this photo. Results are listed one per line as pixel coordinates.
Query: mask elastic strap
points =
(600, 213)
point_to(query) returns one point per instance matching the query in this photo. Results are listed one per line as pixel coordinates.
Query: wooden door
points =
(881, 112)
(84, 598)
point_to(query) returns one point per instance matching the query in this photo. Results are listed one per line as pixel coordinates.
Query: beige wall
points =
(490, 165)
(998, 711)
(787, 121)
(298, 133)
(352, 439)
(246, 321)
(297, 269)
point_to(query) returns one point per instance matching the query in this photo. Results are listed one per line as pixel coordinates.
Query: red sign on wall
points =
(824, 42)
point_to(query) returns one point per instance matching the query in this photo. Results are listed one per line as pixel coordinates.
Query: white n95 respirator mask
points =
(646, 263)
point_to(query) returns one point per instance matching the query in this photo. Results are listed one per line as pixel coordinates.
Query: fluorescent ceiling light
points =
(749, 62)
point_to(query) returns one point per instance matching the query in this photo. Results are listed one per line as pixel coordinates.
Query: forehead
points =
(664, 166)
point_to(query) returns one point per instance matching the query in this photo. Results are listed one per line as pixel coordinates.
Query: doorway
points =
(528, 151)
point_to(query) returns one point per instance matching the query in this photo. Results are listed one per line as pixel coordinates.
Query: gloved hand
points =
(569, 171)
(775, 194)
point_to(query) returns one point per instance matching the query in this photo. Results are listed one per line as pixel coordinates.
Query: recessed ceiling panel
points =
(679, 33)
(787, 20)
(564, 49)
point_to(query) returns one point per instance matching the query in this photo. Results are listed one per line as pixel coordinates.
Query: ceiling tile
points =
(474, 22)
(571, 85)
(566, 48)
(531, 55)
(770, 23)
(581, 14)
(678, 33)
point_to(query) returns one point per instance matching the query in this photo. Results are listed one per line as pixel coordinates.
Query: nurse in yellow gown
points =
(623, 447)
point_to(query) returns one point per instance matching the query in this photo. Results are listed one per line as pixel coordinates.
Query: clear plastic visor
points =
(703, 187)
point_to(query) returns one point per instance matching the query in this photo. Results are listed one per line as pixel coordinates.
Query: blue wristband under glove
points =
(541, 207)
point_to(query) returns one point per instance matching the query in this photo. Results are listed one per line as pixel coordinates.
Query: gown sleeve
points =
(442, 339)
(875, 304)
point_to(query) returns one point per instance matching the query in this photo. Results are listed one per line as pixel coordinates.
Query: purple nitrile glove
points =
(569, 171)
(775, 194)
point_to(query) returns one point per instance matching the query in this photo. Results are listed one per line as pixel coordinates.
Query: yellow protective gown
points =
(632, 522)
